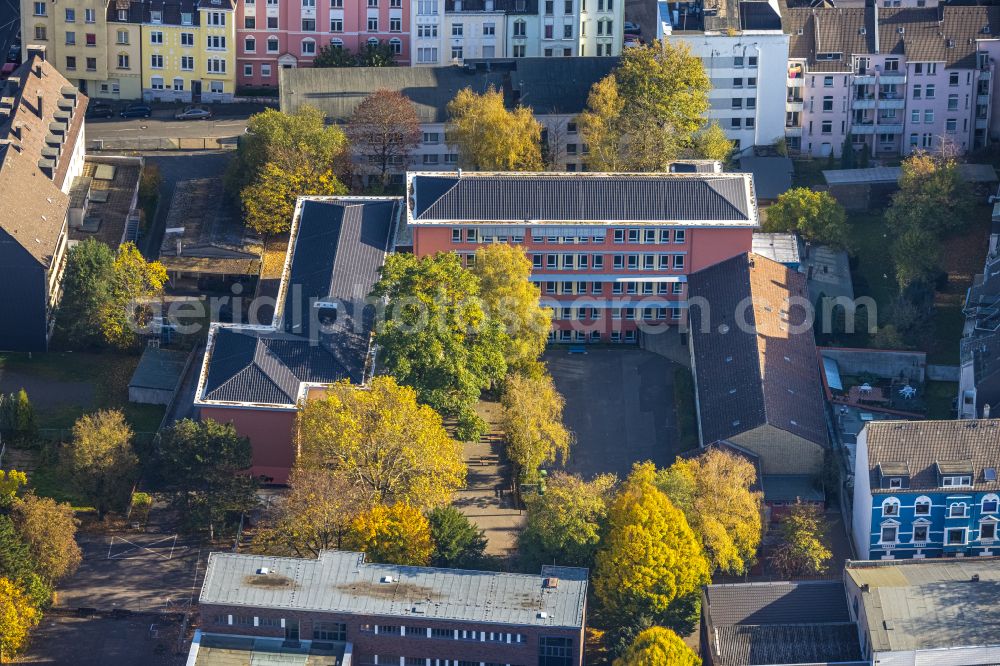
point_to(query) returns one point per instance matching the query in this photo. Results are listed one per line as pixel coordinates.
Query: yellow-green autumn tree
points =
(269, 202)
(650, 565)
(391, 448)
(715, 493)
(134, 282)
(711, 143)
(17, 618)
(532, 423)
(658, 646)
(509, 296)
(100, 461)
(490, 137)
(397, 534)
(601, 127)
(9, 484)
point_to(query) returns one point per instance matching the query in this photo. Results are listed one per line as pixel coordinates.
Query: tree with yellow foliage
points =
(650, 566)
(490, 137)
(532, 424)
(397, 534)
(269, 202)
(714, 492)
(601, 127)
(658, 646)
(100, 461)
(510, 297)
(711, 143)
(17, 617)
(391, 448)
(134, 282)
(9, 484)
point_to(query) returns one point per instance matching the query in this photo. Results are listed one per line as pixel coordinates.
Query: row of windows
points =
(954, 536)
(394, 660)
(336, 25)
(449, 634)
(334, 4)
(591, 336)
(158, 83)
(581, 288)
(629, 314)
(213, 65)
(632, 262)
(308, 46)
(619, 236)
(922, 506)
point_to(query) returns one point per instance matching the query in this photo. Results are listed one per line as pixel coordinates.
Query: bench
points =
(577, 349)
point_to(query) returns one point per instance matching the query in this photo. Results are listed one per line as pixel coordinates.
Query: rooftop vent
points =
(550, 583)
(990, 473)
(388, 579)
(263, 571)
(950, 44)
(542, 615)
(901, 30)
(975, 578)
(862, 31)
(887, 624)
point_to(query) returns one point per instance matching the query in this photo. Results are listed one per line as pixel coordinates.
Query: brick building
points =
(349, 612)
(611, 252)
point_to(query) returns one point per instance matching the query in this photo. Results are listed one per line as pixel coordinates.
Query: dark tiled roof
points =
(780, 623)
(338, 246)
(572, 198)
(758, 15)
(534, 86)
(765, 375)
(922, 444)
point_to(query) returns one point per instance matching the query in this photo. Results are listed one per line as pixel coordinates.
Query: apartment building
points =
(41, 154)
(611, 253)
(555, 101)
(356, 612)
(890, 80)
(275, 34)
(75, 36)
(741, 46)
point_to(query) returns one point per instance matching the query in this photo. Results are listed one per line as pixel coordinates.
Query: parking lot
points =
(104, 641)
(619, 403)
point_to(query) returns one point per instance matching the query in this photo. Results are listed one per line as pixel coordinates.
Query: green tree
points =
(134, 283)
(655, 108)
(916, 253)
(458, 543)
(20, 416)
(269, 203)
(815, 216)
(509, 296)
(376, 55)
(436, 336)
(392, 449)
(532, 424)
(658, 646)
(491, 138)
(18, 616)
(802, 551)
(16, 561)
(86, 293)
(397, 534)
(711, 143)
(650, 565)
(205, 465)
(384, 129)
(49, 530)
(714, 492)
(288, 139)
(933, 197)
(316, 515)
(100, 461)
(10, 482)
(334, 55)
(566, 523)
(847, 154)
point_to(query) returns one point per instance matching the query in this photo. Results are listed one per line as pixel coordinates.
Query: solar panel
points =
(990, 473)
(105, 172)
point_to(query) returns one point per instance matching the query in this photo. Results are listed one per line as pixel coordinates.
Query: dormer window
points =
(895, 482)
(956, 481)
(155, 17)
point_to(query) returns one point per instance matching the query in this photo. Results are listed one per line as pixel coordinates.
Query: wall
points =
(862, 518)
(708, 246)
(58, 50)
(23, 324)
(122, 83)
(270, 433)
(889, 364)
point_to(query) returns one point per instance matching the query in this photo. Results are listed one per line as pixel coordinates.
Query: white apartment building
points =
(744, 52)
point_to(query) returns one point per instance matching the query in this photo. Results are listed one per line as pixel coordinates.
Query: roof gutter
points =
(875, 15)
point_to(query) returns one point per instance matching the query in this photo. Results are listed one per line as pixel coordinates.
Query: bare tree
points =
(383, 130)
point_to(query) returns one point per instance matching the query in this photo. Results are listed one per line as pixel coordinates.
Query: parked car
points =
(632, 28)
(7, 69)
(631, 41)
(136, 111)
(100, 110)
(193, 113)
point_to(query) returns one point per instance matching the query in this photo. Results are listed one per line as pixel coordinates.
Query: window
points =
(957, 510)
(216, 42)
(70, 38)
(919, 533)
(272, 44)
(735, 123)
(890, 507)
(248, 70)
(456, 53)
(427, 7)
(179, 85)
(308, 25)
(395, 25)
(308, 47)
(953, 79)
(826, 127)
(91, 39)
(249, 45)
(930, 91)
(680, 235)
(929, 116)
(827, 81)
(678, 262)
(250, 22)
(427, 55)
(917, 89)
(156, 61)
(187, 39)
(950, 481)
(91, 64)
(336, 25)
(457, 29)
(427, 30)
(489, 29)
(272, 22)
(156, 16)
(70, 62)
(90, 15)
(329, 631)
(123, 61)
(216, 87)
(187, 63)
(122, 37)
(396, 45)
(951, 125)
(70, 15)
(39, 9)
(216, 66)
(217, 18)
(567, 32)
(990, 504)
(828, 103)
(156, 37)
(156, 83)
(549, 7)
(372, 24)
(520, 28)
(122, 14)
(955, 536)
(891, 65)
(952, 102)
(889, 534)
(187, 18)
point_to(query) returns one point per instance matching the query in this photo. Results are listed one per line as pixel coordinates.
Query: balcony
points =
(864, 79)
(793, 105)
(863, 103)
(982, 123)
(862, 128)
(793, 131)
(891, 103)
(983, 100)
(892, 77)
(889, 128)
(985, 74)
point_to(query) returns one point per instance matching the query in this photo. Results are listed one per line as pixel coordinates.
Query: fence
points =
(183, 143)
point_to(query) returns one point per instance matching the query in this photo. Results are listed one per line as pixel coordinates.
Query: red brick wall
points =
(271, 436)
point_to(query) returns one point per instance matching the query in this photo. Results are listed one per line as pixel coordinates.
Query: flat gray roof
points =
(159, 369)
(933, 604)
(973, 173)
(783, 248)
(342, 582)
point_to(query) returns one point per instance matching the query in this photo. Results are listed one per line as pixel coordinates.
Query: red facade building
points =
(610, 252)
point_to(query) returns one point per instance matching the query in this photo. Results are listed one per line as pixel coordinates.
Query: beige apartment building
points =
(75, 35)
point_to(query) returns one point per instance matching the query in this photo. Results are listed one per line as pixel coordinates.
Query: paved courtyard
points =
(103, 641)
(620, 405)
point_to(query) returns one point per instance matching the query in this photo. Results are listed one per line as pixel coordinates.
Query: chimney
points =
(180, 246)
(39, 105)
(37, 51)
(986, 411)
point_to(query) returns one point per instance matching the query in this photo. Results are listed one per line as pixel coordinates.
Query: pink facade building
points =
(289, 33)
(611, 253)
(890, 81)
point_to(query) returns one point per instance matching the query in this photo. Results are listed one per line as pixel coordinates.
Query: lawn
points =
(940, 397)
(65, 385)
(873, 272)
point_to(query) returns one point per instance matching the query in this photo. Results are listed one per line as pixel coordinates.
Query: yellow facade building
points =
(75, 36)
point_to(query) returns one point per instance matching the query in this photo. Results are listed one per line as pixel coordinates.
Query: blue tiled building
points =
(927, 489)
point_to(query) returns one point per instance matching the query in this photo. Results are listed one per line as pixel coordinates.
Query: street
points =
(230, 120)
